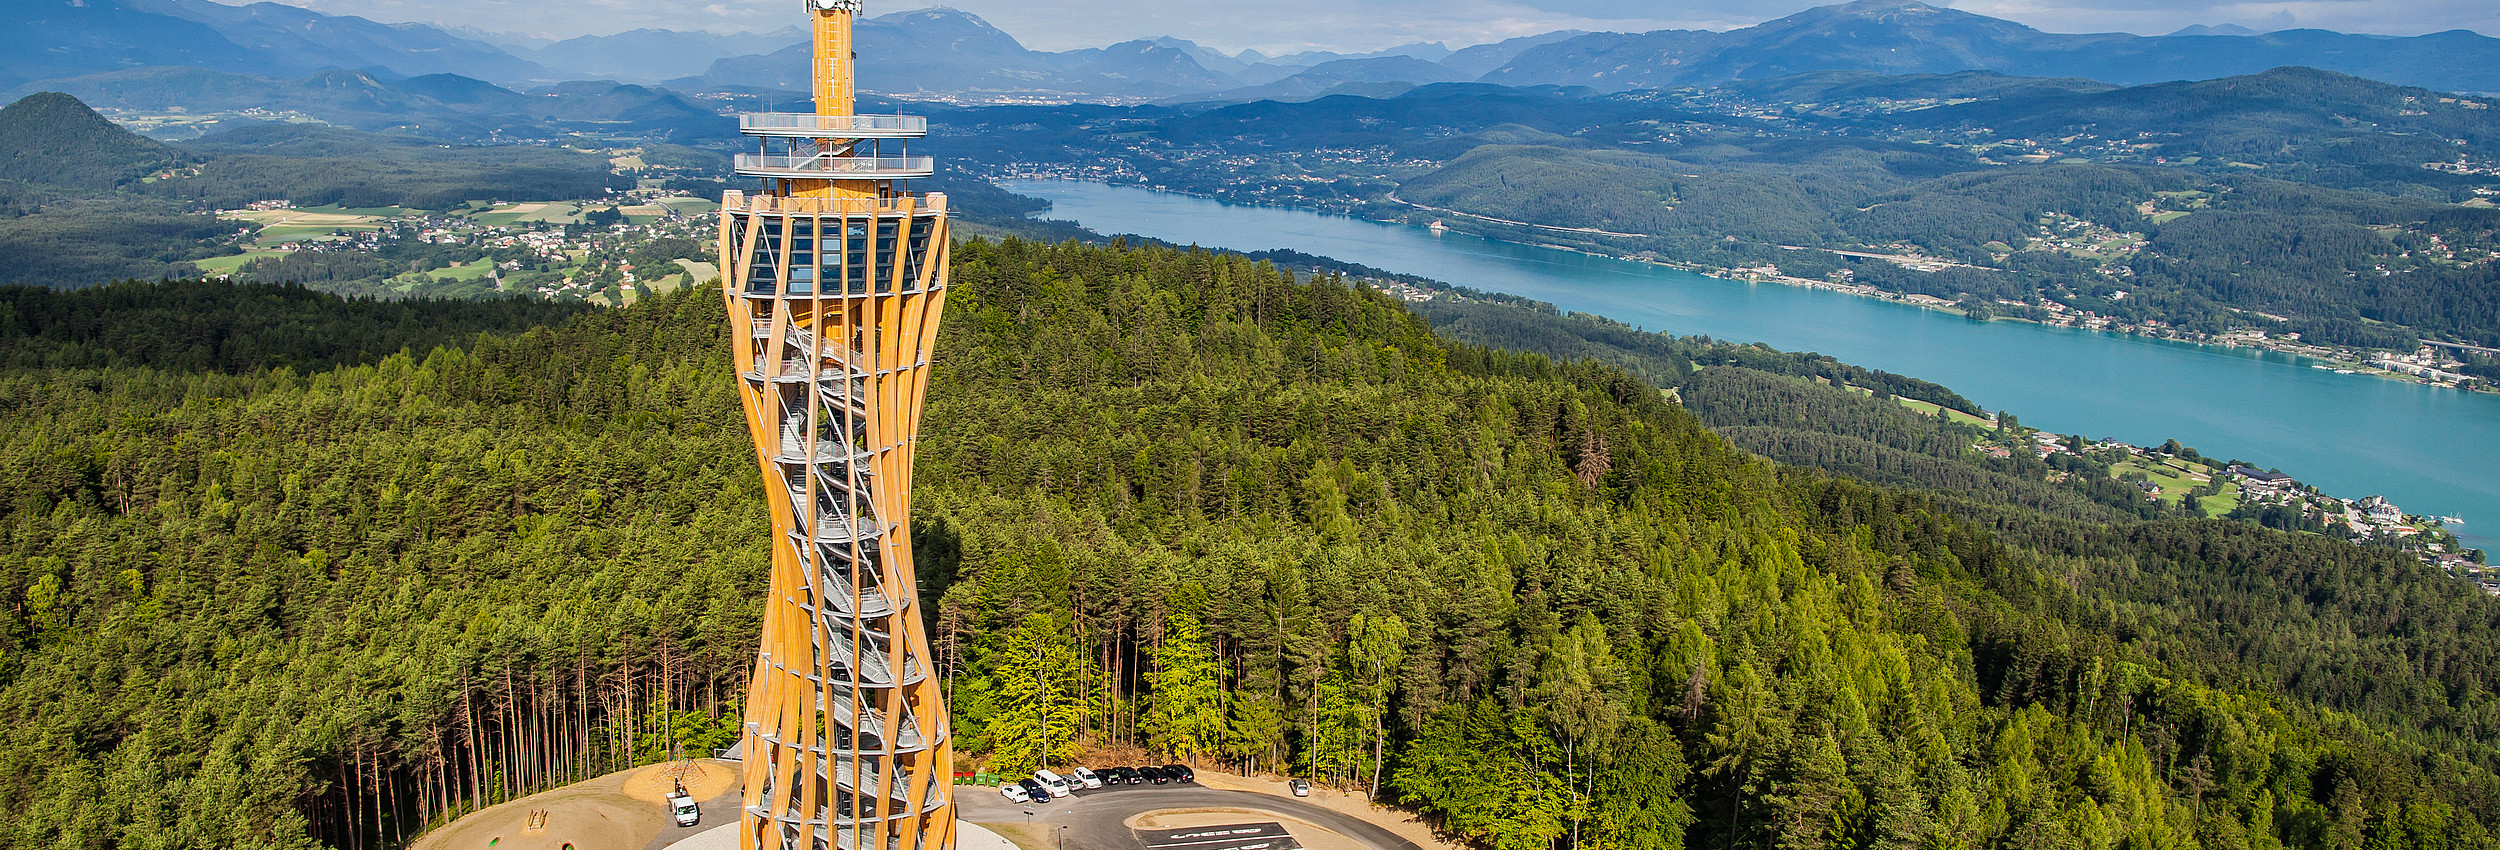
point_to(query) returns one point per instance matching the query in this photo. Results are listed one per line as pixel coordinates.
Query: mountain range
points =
(943, 51)
(42, 39)
(1910, 37)
(445, 107)
(946, 53)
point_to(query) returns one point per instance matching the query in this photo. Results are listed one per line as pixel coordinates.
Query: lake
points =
(2430, 450)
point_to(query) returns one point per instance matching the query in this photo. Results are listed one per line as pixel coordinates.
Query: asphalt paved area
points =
(1240, 836)
(1094, 820)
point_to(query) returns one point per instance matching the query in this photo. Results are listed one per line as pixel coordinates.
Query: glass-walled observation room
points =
(836, 255)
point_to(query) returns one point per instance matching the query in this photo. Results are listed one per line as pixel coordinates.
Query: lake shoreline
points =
(2358, 364)
(2351, 361)
(2349, 436)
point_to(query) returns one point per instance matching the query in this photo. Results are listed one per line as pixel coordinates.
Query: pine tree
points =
(1186, 715)
(1040, 701)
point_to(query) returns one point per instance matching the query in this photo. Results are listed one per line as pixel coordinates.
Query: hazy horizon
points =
(1290, 26)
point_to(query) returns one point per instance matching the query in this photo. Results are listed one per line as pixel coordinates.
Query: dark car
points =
(1040, 794)
(1110, 776)
(1155, 775)
(1130, 775)
(1181, 772)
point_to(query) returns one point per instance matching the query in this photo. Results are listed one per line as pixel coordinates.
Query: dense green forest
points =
(47, 237)
(1256, 522)
(197, 326)
(1802, 410)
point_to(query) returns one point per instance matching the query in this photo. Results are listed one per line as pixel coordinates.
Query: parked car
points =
(1087, 776)
(1131, 775)
(1033, 791)
(1015, 793)
(1181, 772)
(1155, 775)
(1301, 787)
(1057, 784)
(681, 806)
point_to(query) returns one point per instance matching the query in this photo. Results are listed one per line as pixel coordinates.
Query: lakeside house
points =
(2259, 478)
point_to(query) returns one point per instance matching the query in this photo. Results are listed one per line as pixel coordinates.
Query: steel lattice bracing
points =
(835, 281)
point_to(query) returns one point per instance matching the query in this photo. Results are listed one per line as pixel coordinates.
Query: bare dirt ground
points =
(619, 811)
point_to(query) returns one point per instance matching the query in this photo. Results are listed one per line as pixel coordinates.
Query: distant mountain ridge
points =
(44, 39)
(1910, 37)
(445, 107)
(940, 52)
(653, 55)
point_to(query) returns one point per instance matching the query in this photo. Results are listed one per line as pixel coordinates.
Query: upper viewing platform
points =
(831, 167)
(804, 125)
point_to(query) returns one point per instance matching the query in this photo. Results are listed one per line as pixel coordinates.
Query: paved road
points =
(1091, 820)
(721, 810)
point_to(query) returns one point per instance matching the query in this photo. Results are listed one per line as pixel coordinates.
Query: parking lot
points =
(1097, 819)
(1240, 836)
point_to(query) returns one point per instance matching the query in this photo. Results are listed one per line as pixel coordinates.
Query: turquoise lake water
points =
(2433, 451)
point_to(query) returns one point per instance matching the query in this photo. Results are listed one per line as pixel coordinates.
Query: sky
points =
(1284, 26)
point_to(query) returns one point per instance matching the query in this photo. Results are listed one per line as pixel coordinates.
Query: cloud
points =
(1352, 25)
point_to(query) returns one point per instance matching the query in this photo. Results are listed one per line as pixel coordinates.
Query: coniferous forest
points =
(266, 590)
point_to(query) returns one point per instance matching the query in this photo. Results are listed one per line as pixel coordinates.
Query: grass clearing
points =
(689, 205)
(1924, 407)
(284, 233)
(303, 217)
(496, 219)
(556, 214)
(465, 271)
(370, 212)
(2174, 482)
(228, 265)
(1931, 408)
(699, 270)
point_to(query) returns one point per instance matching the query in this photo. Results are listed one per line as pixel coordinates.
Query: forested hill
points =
(51, 138)
(1177, 499)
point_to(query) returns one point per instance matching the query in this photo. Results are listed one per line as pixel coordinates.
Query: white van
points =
(1087, 776)
(1057, 784)
(681, 807)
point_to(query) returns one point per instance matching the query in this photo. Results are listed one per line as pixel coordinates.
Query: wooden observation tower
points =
(835, 278)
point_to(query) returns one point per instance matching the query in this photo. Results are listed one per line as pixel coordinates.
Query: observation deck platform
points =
(808, 125)
(739, 202)
(830, 167)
